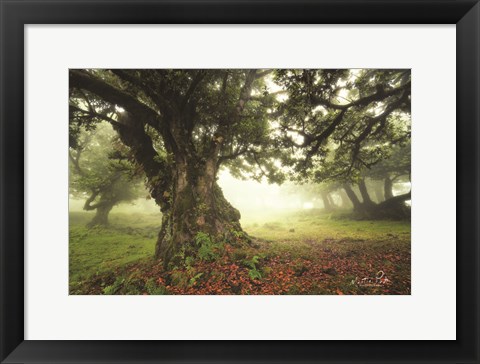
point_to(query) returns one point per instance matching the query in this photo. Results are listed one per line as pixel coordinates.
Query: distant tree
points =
(324, 191)
(394, 169)
(182, 126)
(313, 192)
(101, 174)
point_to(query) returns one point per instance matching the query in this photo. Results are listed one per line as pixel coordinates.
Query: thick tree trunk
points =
(388, 188)
(190, 200)
(101, 215)
(185, 188)
(197, 206)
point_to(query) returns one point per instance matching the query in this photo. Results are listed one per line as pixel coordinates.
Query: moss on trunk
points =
(197, 206)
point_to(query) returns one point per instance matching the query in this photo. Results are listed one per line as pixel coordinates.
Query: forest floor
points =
(304, 252)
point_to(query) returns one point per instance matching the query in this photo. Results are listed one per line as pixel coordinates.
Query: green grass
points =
(314, 224)
(129, 238)
(323, 252)
(296, 232)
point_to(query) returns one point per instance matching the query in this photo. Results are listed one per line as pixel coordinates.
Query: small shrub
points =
(253, 272)
(202, 239)
(252, 263)
(208, 250)
(207, 253)
(115, 287)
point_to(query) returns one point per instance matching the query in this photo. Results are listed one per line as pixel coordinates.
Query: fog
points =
(248, 196)
(255, 200)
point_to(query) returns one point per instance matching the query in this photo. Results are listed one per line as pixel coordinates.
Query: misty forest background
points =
(239, 181)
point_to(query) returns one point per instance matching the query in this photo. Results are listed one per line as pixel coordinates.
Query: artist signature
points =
(379, 280)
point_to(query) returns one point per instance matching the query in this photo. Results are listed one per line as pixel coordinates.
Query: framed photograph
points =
(239, 181)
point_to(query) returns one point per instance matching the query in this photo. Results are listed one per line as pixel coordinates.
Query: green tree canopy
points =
(341, 122)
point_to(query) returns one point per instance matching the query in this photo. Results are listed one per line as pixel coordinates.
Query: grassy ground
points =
(304, 252)
(100, 250)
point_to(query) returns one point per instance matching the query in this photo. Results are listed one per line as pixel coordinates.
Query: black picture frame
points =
(16, 13)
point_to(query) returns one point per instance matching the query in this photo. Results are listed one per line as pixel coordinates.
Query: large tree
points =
(182, 126)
